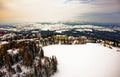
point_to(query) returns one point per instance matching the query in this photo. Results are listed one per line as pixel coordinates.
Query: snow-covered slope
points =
(87, 60)
(60, 26)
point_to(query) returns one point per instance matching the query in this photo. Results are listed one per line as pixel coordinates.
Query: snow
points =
(60, 31)
(58, 27)
(13, 51)
(85, 60)
(4, 42)
(82, 30)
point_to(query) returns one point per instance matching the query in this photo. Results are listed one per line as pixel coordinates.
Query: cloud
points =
(60, 10)
(99, 10)
(45, 10)
(2, 6)
(79, 1)
(99, 4)
(113, 17)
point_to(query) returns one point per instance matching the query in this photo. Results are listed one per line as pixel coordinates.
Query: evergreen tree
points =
(41, 53)
(18, 69)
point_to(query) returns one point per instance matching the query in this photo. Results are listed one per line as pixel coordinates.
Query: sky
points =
(104, 11)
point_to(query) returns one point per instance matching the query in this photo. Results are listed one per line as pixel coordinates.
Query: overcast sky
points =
(60, 10)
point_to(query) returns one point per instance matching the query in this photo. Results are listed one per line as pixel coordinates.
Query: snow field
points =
(86, 60)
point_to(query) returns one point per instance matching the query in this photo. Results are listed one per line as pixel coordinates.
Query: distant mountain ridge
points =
(68, 23)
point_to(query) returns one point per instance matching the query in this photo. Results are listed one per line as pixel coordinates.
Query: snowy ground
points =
(87, 60)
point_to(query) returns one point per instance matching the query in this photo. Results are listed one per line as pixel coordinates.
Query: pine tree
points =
(41, 53)
(18, 69)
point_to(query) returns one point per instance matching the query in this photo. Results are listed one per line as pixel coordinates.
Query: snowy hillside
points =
(87, 60)
(57, 27)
